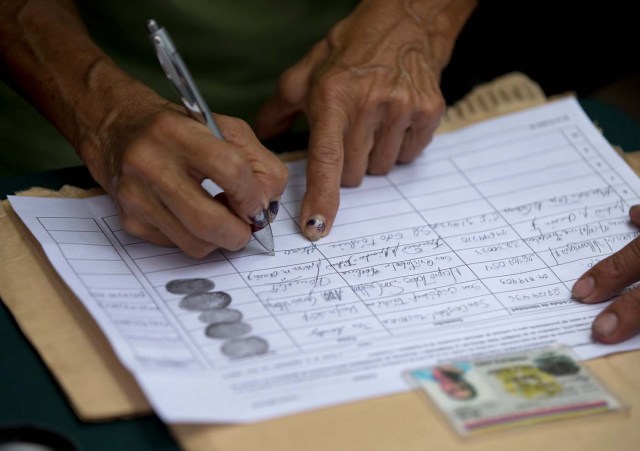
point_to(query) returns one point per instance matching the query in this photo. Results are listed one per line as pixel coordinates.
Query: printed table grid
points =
(434, 241)
(469, 251)
(136, 345)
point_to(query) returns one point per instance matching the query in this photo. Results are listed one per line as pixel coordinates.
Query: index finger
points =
(325, 161)
(610, 276)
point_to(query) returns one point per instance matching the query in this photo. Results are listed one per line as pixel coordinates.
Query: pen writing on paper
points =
(178, 74)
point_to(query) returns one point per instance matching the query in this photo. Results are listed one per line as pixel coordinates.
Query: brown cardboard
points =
(99, 388)
(62, 331)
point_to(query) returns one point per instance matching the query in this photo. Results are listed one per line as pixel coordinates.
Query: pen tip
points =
(272, 253)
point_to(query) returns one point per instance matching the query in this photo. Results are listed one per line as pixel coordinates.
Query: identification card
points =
(513, 389)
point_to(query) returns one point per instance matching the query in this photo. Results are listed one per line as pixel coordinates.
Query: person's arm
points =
(621, 319)
(143, 150)
(371, 93)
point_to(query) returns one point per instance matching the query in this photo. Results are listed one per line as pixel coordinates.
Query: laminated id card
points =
(509, 390)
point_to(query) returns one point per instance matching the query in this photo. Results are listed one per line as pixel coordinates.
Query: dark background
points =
(564, 46)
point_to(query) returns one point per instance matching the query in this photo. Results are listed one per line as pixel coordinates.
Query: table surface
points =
(37, 400)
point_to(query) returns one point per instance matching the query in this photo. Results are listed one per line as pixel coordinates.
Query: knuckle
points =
(335, 36)
(238, 131)
(429, 110)
(400, 101)
(325, 154)
(332, 87)
(235, 166)
(277, 174)
(373, 100)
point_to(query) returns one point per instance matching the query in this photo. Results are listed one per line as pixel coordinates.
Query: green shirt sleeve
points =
(235, 50)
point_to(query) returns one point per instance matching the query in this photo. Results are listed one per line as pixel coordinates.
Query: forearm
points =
(443, 19)
(435, 24)
(47, 55)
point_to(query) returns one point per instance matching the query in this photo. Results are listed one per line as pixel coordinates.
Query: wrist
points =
(439, 22)
(443, 21)
(115, 110)
(47, 55)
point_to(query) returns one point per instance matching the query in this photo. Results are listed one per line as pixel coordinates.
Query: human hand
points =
(153, 168)
(371, 93)
(141, 149)
(621, 319)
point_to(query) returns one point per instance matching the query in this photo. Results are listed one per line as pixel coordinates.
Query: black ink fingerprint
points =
(189, 286)
(227, 330)
(205, 301)
(245, 347)
(223, 315)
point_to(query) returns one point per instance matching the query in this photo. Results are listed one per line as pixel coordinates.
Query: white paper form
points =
(470, 250)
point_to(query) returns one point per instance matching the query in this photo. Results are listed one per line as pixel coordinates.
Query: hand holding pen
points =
(152, 158)
(176, 71)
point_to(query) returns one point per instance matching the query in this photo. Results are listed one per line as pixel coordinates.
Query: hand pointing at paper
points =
(620, 320)
(370, 90)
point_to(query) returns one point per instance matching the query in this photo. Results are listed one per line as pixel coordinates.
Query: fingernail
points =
(260, 220)
(315, 227)
(583, 288)
(272, 211)
(605, 324)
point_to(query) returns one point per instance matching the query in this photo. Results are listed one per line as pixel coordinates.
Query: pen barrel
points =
(178, 74)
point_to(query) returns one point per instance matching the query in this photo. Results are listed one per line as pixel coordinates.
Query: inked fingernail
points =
(583, 288)
(272, 211)
(605, 324)
(315, 227)
(260, 220)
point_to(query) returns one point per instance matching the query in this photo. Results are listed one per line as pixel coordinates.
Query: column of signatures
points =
(464, 235)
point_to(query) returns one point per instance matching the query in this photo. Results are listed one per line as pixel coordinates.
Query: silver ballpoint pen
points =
(180, 77)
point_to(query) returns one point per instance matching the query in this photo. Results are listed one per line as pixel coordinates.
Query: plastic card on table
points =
(527, 387)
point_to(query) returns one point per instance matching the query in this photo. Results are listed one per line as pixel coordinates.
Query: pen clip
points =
(176, 71)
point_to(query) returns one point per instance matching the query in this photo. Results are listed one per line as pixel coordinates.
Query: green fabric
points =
(235, 49)
(28, 142)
